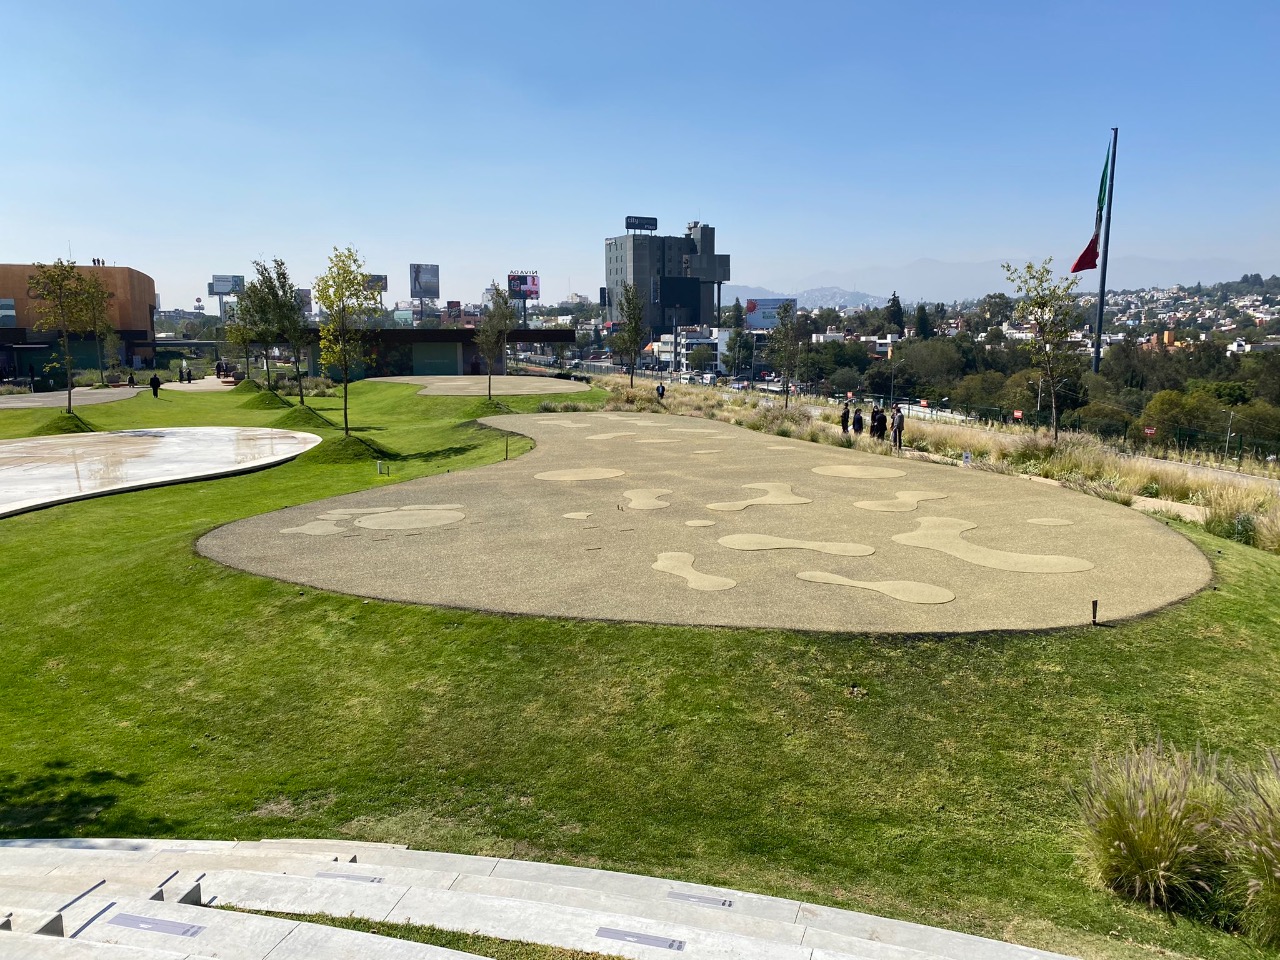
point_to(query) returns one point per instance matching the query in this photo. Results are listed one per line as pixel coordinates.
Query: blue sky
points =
(826, 142)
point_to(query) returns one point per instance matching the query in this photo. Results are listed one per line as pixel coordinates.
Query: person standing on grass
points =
(899, 421)
(857, 423)
(662, 392)
(844, 419)
(154, 384)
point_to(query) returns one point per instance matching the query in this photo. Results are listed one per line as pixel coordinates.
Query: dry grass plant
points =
(1252, 832)
(1151, 827)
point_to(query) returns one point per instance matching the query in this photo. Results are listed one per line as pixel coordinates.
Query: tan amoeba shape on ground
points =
(695, 430)
(317, 528)
(576, 516)
(699, 523)
(1051, 522)
(610, 436)
(409, 519)
(908, 591)
(351, 511)
(565, 423)
(851, 471)
(760, 541)
(681, 565)
(776, 494)
(904, 501)
(660, 440)
(430, 506)
(646, 499)
(943, 534)
(580, 473)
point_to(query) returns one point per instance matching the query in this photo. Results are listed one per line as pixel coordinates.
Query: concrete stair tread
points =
(34, 920)
(28, 946)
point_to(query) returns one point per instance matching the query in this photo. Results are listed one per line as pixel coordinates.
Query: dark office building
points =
(678, 278)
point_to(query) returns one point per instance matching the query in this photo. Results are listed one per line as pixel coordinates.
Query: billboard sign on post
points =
(762, 314)
(453, 309)
(424, 281)
(523, 286)
(642, 223)
(304, 298)
(375, 282)
(1017, 414)
(225, 284)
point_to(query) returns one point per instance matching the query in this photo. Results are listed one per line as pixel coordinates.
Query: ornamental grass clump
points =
(1252, 832)
(1151, 827)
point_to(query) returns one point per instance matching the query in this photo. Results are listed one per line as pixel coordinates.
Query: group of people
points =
(879, 424)
(186, 376)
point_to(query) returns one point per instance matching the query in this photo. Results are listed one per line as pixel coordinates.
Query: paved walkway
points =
(80, 396)
(42, 471)
(479, 386)
(208, 384)
(677, 520)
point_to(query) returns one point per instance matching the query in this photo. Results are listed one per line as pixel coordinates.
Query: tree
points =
(738, 349)
(924, 323)
(98, 319)
(493, 329)
(736, 314)
(1051, 305)
(66, 300)
(273, 310)
(893, 314)
(702, 357)
(629, 340)
(783, 348)
(345, 294)
(239, 334)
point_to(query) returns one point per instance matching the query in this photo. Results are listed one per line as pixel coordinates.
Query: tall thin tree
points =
(349, 300)
(493, 329)
(275, 312)
(1052, 306)
(65, 300)
(629, 340)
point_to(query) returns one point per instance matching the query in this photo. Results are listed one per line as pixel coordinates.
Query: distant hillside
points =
(813, 299)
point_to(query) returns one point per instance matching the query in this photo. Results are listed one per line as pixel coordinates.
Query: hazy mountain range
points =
(939, 281)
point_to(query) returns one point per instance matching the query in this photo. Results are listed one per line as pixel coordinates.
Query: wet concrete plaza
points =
(43, 471)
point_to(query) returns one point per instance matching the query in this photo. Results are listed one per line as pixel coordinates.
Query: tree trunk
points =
(346, 387)
(66, 362)
(297, 370)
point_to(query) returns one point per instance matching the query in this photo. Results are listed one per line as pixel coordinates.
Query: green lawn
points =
(150, 691)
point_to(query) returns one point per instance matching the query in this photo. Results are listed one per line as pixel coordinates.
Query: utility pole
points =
(1226, 446)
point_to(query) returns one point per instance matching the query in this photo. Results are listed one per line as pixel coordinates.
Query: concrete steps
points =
(568, 907)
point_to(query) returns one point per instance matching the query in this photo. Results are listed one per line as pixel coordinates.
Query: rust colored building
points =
(132, 309)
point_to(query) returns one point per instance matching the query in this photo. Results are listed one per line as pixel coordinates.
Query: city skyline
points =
(835, 147)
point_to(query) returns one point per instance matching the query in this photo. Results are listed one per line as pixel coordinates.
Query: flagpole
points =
(1106, 248)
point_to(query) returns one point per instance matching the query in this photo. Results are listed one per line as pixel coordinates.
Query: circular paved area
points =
(80, 396)
(479, 386)
(43, 471)
(676, 520)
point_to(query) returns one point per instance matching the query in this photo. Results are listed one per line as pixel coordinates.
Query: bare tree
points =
(1051, 305)
(493, 329)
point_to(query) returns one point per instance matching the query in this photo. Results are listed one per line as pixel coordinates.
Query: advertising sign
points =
(1017, 414)
(304, 298)
(375, 282)
(523, 286)
(453, 309)
(224, 284)
(424, 281)
(763, 314)
(642, 223)
(1149, 431)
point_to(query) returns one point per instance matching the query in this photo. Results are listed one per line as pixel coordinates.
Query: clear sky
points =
(824, 141)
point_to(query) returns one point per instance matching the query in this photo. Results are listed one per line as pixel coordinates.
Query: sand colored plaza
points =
(502, 386)
(666, 519)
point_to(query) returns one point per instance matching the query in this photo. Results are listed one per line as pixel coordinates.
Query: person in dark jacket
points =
(857, 422)
(154, 384)
(844, 419)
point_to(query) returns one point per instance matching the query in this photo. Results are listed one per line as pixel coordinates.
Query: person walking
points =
(899, 421)
(154, 384)
(857, 423)
(662, 392)
(844, 419)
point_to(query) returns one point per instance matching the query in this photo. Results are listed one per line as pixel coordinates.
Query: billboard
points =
(642, 223)
(303, 295)
(375, 282)
(224, 283)
(523, 286)
(424, 281)
(763, 314)
(453, 309)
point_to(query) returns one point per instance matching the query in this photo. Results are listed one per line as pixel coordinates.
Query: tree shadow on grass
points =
(60, 801)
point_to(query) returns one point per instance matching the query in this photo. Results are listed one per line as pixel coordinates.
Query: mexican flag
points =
(1089, 259)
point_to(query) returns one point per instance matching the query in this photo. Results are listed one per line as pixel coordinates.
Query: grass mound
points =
(301, 418)
(264, 400)
(63, 423)
(247, 385)
(346, 449)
